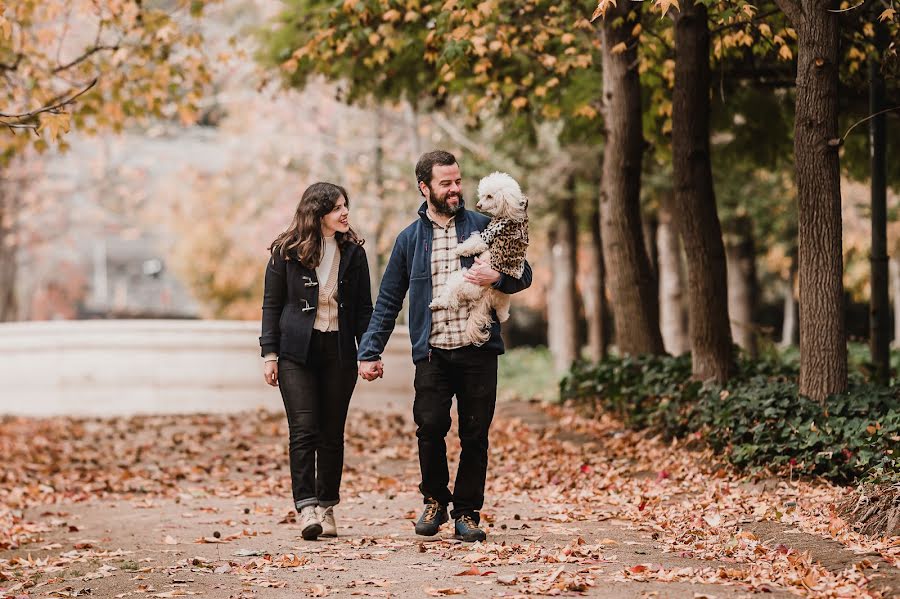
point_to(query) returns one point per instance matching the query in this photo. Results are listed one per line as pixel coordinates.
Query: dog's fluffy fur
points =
(502, 244)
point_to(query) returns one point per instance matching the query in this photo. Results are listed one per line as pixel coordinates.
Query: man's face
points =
(444, 195)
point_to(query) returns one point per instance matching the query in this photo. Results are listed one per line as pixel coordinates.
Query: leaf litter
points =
(690, 506)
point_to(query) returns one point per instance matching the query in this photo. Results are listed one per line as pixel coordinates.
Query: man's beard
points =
(440, 205)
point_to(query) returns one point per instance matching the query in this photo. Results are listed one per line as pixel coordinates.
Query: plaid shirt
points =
(447, 326)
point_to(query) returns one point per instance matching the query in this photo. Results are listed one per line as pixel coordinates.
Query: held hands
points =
(482, 274)
(271, 372)
(371, 370)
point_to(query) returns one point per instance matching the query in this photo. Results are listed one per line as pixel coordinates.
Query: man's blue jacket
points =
(409, 268)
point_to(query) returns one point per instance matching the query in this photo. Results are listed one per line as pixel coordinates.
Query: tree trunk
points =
(789, 323)
(742, 285)
(895, 284)
(650, 223)
(673, 319)
(823, 333)
(595, 293)
(562, 304)
(631, 284)
(380, 256)
(695, 200)
(879, 306)
(8, 267)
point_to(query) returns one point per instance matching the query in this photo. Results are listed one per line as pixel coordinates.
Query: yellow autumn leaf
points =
(602, 7)
(52, 125)
(586, 111)
(391, 15)
(5, 28)
(887, 15)
(785, 53)
(519, 102)
(619, 48)
(665, 5)
(486, 7)
(374, 38)
(551, 112)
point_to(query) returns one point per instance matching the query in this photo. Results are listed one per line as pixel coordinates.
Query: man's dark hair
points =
(426, 163)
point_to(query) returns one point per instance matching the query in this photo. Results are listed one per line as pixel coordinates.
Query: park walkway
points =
(172, 506)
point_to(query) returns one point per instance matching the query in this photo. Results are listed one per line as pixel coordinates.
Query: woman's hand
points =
(271, 372)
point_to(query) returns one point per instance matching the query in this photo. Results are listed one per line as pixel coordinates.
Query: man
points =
(446, 365)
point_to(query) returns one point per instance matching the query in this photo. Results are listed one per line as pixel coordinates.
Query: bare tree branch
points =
(19, 125)
(12, 67)
(83, 57)
(792, 9)
(50, 108)
(757, 17)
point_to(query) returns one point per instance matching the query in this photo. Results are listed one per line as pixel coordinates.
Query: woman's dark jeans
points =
(316, 397)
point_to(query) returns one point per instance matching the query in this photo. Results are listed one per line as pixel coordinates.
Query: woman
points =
(316, 306)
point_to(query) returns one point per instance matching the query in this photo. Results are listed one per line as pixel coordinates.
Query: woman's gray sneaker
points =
(310, 526)
(430, 522)
(326, 517)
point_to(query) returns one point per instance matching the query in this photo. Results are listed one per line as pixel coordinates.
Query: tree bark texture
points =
(895, 286)
(631, 283)
(673, 319)
(562, 303)
(695, 200)
(649, 223)
(8, 267)
(595, 293)
(789, 323)
(879, 305)
(743, 289)
(823, 337)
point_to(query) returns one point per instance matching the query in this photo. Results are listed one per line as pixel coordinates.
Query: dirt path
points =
(180, 506)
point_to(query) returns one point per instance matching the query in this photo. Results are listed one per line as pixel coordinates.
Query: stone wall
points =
(121, 367)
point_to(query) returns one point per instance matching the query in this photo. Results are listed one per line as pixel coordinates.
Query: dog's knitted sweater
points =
(507, 240)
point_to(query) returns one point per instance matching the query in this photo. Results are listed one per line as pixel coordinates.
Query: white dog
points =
(502, 244)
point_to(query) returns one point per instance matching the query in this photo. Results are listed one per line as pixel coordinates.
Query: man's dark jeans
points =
(469, 373)
(316, 397)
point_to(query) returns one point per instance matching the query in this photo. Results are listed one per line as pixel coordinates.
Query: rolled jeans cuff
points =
(305, 503)
(328, 502)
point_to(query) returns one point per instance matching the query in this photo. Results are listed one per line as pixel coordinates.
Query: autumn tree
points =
(695, 200)
(631, 280)
(522, 63)
(91, 65)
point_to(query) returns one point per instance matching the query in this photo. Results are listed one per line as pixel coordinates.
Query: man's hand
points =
(371, 370)
(271, 372)
(482, 274)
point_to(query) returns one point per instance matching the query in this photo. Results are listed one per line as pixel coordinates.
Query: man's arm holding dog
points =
(482, 274)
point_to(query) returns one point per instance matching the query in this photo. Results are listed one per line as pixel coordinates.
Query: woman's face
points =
(337, 220)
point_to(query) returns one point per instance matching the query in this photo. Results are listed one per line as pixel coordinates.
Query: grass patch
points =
(526, 373)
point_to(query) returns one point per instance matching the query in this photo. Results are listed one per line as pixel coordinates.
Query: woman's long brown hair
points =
(303, 238)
